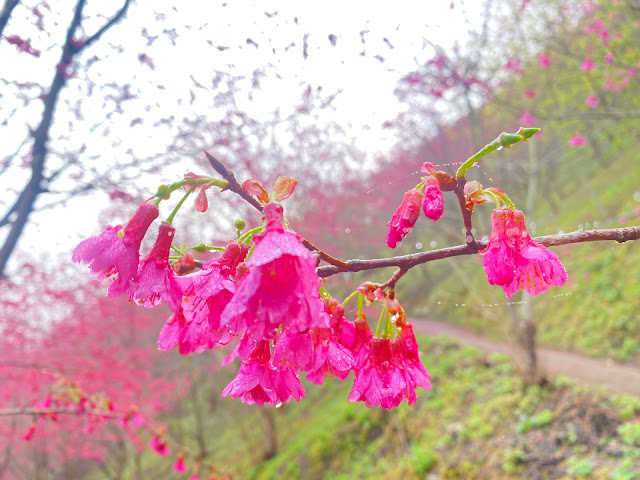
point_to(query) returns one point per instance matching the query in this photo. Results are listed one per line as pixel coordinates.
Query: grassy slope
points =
(477, 422)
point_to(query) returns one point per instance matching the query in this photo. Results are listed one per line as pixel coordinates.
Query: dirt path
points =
(590, 371)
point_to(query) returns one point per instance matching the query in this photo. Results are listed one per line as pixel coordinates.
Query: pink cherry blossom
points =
(514, 261)
(156, 280)
(608, 58)
(361, 342)
(115, 252)
(513, 65)
(432, 202)
(527, 119)
(577, 141)
(253, 384)
(330, 355)
(293, 349)
(179, 465)
(281, 287)
(259, 382)
(530, 93)
(205, 295)
(588, 65)
(405, 218)
(544, 60)
(593, 101)
(159, 445)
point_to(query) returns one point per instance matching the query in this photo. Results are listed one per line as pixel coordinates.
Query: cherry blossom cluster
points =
(264, 298)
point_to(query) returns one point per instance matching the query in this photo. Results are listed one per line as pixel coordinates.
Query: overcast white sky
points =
(365, 73)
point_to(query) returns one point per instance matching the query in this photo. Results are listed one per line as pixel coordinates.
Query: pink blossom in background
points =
(544, 60)
(608, 58)
(524, 4)
(588, 65)
(513, 65)
(413, 79)
(514, 261)
(179, 465)
(530, 93)
(527, 119)
(632, 73)
(116, 251)
(593, 101)
(405, 217)
(432, 202)
(604, 36)
(159, 445)
(577, 141)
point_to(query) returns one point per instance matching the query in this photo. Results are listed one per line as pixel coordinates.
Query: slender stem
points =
(378, 328)
(466, 213)
(250, 233)
(175, 210)
(349, 298)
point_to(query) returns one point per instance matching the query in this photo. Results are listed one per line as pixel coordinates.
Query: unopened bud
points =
(163, 192)
(240, 224)
(509, 139)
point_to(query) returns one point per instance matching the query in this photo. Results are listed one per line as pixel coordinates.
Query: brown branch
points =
(236, 188)
(9, 412)
(5, 13)
(18, 215)
(466, 214)
(115, 19)
(407, 262)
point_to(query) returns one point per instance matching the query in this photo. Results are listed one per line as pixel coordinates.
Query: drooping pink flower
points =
(170, 334)
(287, 384)
(205, 295)
(179, 465)
(527, 119)
(259, 382)
(159, 445)
(382, 380)
(361, 343)
(544, 60)
(281, 287)
(330, 356)
(156, 280)
(577, 141)
(404, 368)
(405, 218)
(514, 261)
(588, 65)
(293, 349)
(201, 203)
(411, 358)
(593, 101)
(432, 202)
(116, 251)
(253, 384)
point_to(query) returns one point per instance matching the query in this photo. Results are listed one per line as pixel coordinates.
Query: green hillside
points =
(476, 422)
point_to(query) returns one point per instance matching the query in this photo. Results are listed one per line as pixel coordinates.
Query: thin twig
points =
(236, 188)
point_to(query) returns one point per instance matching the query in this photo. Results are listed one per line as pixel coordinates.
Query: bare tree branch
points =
(5, 13)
